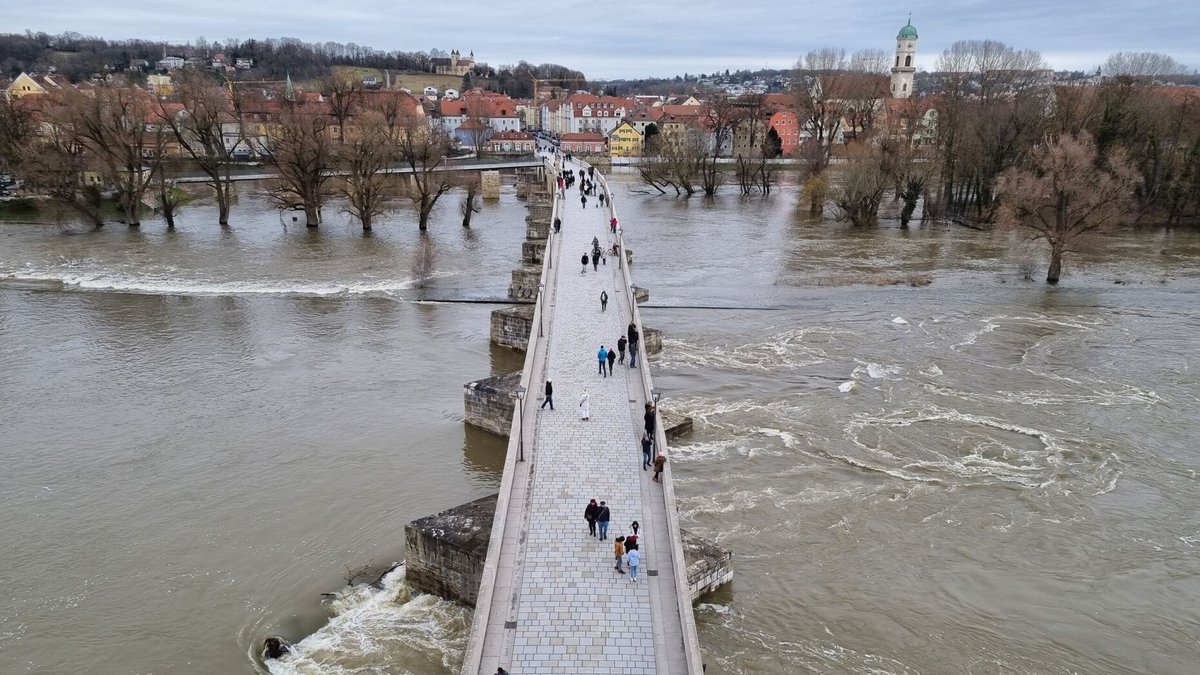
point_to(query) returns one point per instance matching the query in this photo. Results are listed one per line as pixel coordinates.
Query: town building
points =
(510, 143)
(584, 143)
(454, 64)
(625, 141)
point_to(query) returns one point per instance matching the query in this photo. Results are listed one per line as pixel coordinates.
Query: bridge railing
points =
(530, 375)
(687, 619)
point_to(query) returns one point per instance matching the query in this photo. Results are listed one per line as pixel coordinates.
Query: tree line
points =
(119, 139)
(999, 143)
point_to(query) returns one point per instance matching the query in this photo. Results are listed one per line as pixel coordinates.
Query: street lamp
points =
(520, 396)
(656, 394)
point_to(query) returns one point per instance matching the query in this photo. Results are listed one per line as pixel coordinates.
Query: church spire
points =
(289, 92)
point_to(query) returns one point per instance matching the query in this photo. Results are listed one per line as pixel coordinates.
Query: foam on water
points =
(971, 448)
(176, 286)
(374, 631)
(789, 349)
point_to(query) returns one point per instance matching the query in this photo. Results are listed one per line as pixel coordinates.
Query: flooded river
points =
(204, 428)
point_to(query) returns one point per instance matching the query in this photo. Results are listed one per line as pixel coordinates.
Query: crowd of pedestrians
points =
(598, 513)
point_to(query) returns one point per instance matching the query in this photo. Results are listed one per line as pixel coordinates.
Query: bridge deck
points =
(558, 606)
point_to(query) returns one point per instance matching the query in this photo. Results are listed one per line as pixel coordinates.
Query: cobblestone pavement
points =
(575, 613)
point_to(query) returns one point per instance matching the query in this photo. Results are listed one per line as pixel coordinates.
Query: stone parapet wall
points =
(489, 403)
(511, 326)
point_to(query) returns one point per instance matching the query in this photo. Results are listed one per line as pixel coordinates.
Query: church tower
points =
(906, 61)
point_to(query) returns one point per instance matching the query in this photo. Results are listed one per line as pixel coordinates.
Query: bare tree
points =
(478, 123)
(832, 91)
(303, 155)
(58, 165)
(1142, 65)
(342, 91)
(208, 127)
(1065, 194)
(121, 128)
(679, 163)
(990, 116)
(366, 186)
(423, 148)
(16, 132)
(168, 199)
(863, 184)
(470, 201)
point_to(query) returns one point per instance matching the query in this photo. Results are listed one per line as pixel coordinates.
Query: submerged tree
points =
(208, 127)
(366, 186)
(303, 155)
(423, 148)
(470, 202)
(863, 185)
(1066, 193)
(121, 128)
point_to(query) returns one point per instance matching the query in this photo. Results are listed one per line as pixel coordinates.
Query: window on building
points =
(904, 87)
(907, 61)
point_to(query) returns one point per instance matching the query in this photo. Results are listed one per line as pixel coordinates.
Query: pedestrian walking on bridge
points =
(549, 396)
(619, 553)
(602, 356)
(584, 407)
(602, 518)
(612, 358)
(621, 349)
(604, 306)
(589, 514)
(635, 559)
(584, 260)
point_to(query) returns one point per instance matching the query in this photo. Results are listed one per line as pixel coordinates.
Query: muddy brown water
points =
(202, 428)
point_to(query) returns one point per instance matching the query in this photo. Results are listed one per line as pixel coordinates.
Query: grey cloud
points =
(663, 38)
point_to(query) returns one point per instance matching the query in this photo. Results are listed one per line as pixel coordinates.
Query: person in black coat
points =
(590, 514)
(634, 339)
(549, 396)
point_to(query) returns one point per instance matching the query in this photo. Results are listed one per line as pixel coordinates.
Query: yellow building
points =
(625, 141)
(31, 85)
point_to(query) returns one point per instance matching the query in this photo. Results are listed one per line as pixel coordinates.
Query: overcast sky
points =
(659, 38)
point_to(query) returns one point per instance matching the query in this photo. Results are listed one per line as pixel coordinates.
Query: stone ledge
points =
(489, 404)
(511, 327)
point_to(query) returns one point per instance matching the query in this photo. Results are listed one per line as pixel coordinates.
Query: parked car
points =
(241, 154)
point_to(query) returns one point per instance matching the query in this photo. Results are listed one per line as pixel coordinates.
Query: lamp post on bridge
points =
(541, 307)
(519, 394)
(656, 394)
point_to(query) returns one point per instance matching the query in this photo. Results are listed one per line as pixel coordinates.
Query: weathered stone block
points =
(488, 403)
(675, 426)
(537, 229)
(511, 327)
(532, 251)
(708, 565)
(489, 183)
(640, 294)
(652, 339)
(444, 553)
(524, 284)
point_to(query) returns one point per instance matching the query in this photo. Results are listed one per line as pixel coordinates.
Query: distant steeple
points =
(289, 92)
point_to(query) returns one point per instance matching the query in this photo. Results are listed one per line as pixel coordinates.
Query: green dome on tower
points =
(908, 32)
